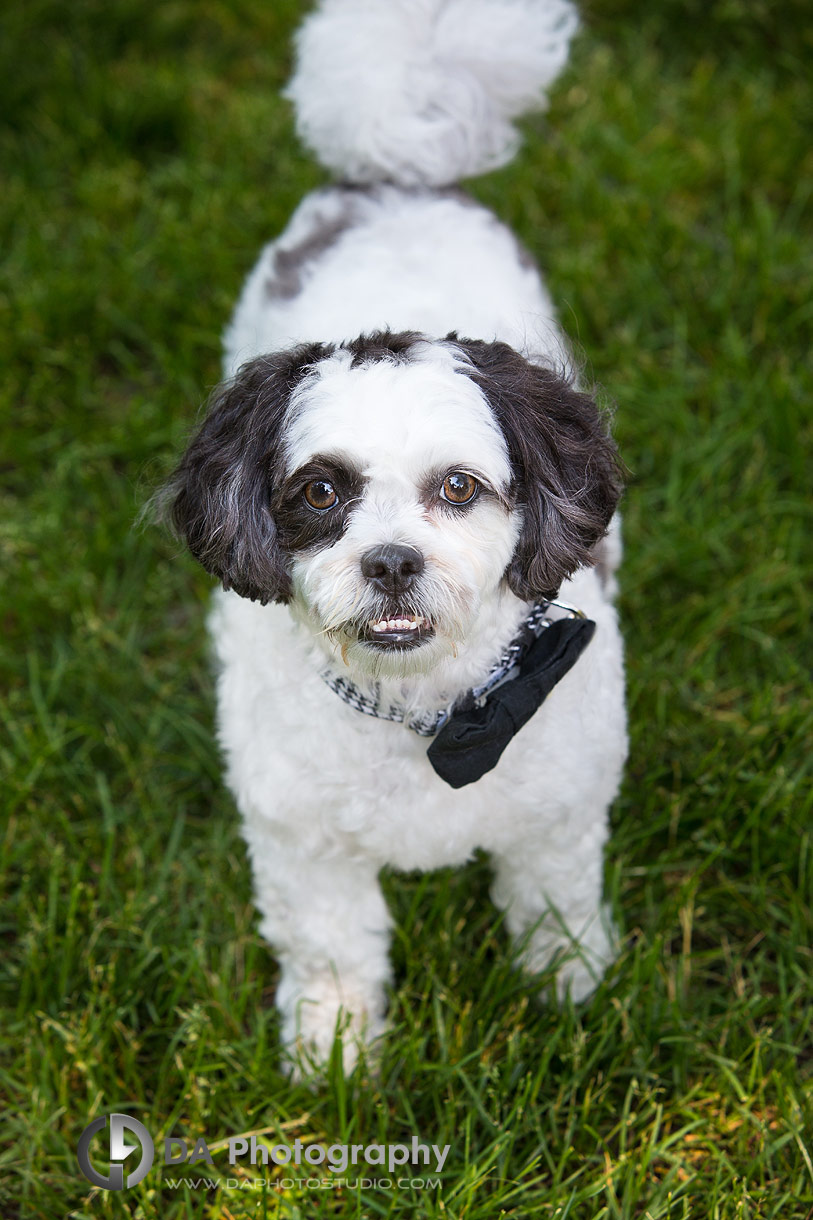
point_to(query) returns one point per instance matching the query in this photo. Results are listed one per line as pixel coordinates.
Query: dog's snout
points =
(392, 567)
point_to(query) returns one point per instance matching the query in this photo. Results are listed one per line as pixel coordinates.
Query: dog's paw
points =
(322, 1025)
(579, 964)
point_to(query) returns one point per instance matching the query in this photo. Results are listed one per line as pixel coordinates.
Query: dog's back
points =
(401, 100)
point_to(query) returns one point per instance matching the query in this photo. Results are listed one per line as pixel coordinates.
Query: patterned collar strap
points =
(430, 723)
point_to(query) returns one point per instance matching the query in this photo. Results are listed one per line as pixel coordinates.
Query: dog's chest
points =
(299, 757)
(297, 754)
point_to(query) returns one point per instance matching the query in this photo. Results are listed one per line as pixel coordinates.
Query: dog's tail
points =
(423, 92)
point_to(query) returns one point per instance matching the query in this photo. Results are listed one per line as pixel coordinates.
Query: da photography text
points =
(242, 1149)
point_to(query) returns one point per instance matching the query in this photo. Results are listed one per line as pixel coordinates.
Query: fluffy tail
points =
(423, 92)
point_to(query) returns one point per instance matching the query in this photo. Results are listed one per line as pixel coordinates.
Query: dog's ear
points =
(218, 499)
(566, 468)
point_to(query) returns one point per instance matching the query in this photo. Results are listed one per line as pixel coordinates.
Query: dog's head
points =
(391, 488)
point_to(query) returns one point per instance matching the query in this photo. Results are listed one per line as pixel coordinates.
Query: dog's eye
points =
(459, 488)
(321, 495)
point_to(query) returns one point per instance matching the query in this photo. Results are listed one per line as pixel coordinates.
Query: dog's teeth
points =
(397, 624)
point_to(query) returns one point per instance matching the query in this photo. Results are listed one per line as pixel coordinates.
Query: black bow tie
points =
(472, 740)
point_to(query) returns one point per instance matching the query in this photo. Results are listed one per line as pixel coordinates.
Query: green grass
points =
(146, 156)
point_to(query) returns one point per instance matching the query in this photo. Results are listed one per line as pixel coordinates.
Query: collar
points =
(472, 732)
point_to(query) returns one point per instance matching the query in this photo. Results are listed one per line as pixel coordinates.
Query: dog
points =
(410, 504)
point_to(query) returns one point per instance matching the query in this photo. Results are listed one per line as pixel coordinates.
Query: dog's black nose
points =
(392, 567)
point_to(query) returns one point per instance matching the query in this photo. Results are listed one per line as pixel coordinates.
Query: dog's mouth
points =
(397, 631)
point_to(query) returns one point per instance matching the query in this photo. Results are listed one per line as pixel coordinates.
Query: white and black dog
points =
(409, 503)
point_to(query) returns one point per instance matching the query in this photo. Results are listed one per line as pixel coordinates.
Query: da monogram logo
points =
(119, 1151)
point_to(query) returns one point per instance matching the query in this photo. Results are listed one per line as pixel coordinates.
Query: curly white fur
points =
(422, 92)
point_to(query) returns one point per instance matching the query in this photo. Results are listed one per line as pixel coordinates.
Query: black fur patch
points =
(219, 498)
(286, 278)
(395, 346)
(230, 498)
(301, 527)
(566, 466)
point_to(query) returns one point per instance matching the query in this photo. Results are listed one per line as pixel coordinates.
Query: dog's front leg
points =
(326, 919)
(550, 890)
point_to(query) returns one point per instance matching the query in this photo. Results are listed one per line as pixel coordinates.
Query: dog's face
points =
(397, 509)
(391, 488)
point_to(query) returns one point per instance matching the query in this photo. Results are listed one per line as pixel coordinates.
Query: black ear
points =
(219, 496)
(567, 471)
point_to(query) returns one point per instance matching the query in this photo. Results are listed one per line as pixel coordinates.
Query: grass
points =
(667, 193)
